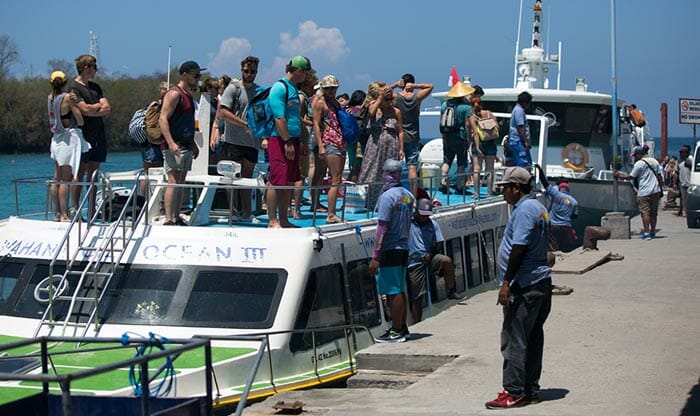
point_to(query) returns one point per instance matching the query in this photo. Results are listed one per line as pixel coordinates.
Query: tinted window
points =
(144, 296)
(454, 250)
(473, 269)
(234, 298)
(9, 273)
(29, 306)
(363, 294)
(322, 306)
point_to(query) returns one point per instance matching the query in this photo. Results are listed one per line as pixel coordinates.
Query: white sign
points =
(689, 110)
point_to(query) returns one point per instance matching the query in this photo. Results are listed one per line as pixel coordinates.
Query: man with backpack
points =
(284, 145)
(454, 115)
(239, 143)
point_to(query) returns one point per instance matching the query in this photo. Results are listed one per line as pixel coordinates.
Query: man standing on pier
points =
(525, 293)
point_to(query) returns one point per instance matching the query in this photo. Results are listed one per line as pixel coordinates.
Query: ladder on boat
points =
(91, 262)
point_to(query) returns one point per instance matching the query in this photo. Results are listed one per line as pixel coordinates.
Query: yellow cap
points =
(57, 74)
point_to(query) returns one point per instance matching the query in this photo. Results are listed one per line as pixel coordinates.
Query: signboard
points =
(689, 110)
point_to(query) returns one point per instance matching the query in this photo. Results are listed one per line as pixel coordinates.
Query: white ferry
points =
(580, 143)
(222, 312)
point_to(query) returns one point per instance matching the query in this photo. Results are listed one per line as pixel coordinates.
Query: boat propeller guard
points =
(575, 157)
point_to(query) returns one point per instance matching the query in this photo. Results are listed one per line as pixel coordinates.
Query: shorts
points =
(334, 150)
(236, 152)
(182, 163)
(454, 146)
(649, 204)
(489, 148)
(391, 278)
(411, 153)
(151, 153)
(417, 280)
(283, 171)
(97, 152)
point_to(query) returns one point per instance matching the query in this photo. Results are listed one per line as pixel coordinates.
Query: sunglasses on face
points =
(196, 76)
(249, 71)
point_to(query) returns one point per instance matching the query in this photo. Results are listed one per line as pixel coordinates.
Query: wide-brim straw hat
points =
(459, 90)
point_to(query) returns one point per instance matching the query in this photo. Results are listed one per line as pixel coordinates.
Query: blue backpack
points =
(137, 126)
(349, 127)
(259, 113)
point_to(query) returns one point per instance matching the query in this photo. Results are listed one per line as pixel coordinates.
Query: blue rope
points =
(167, 382)
(358, 231)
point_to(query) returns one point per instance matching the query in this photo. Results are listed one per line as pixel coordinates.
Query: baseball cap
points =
(301, 62)
(515, 174)
(424, 207)
(637, 150)
(57, 74)
(563, 186)
(328, 81)
(392, 165)
(190, 66)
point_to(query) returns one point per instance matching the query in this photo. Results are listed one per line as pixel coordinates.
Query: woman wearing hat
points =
(455, 143)
(329, 137)
(67, 142)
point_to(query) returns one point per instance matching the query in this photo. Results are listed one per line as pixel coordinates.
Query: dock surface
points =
(625, 342)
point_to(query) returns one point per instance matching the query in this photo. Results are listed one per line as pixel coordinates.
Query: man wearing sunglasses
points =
(177, 127)
(239, 143)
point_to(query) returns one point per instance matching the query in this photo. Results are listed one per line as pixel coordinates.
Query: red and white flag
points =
(454, 78)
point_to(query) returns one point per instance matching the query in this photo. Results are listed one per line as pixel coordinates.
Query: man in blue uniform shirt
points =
(525, 293)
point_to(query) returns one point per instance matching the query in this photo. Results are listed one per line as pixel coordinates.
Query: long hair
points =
(57, 86)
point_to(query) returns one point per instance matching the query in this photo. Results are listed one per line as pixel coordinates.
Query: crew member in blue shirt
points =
(390, 254)
(525, 291)
(519, 132)
(562, 211)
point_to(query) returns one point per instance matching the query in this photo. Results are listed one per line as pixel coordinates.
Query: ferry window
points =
(473, 266)
(488, 262)
(144, 296)
(28, 305)
(238, 298)
(322, 306)
(363, 294)
(9, 273)
(454, 250)
(579, 119)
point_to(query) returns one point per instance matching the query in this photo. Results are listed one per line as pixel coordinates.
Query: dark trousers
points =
(522, 337)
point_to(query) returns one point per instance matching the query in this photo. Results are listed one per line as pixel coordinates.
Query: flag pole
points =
(168, 71)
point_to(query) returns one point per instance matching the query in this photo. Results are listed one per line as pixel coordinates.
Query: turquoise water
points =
(32, 197)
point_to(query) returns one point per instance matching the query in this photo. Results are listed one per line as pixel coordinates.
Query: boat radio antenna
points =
(517, 46)
(94, 47)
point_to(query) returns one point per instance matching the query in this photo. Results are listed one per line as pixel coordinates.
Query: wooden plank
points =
(579, 261)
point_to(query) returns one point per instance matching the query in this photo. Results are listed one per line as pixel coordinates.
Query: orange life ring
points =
(575, 156)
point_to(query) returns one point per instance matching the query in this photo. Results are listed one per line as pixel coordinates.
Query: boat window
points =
(473, 266)
(488, 262)
(30, 307)
(322, 306)
(9, 274)
(363, 294)
(579, 119)
(454, 250)
(143, 296)
(241, 298)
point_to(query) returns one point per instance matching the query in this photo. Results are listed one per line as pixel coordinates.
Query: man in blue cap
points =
(390, 254)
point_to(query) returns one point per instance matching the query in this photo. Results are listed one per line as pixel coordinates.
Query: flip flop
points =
(336, 220)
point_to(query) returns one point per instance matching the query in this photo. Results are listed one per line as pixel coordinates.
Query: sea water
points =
(32, 197)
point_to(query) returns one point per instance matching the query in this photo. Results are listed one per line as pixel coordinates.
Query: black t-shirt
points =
(94, 128)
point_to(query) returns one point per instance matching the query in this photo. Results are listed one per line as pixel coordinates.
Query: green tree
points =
(8, 55)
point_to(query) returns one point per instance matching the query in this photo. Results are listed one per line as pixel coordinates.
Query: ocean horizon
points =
(32, 197)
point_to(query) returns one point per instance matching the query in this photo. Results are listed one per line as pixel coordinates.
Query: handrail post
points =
(208, 376)
(145, 390)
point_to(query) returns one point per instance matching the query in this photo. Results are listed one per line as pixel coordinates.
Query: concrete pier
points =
(625, 342)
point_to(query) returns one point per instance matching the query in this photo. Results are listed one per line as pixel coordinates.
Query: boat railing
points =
(264, 352)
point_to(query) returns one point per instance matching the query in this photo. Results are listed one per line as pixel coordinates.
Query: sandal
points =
(561, 290)
(334, 220)
(321, 208)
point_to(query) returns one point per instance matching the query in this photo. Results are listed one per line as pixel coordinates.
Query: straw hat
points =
(460, 90)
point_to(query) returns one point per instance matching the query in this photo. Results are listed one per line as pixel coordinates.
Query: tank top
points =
(410, 112)
(182, 120)
(54, 106)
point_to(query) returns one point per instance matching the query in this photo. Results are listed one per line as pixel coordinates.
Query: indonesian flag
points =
(454, 78)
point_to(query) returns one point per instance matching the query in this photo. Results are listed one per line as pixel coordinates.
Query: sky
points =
(657, 58)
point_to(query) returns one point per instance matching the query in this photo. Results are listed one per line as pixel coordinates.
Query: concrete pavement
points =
(625, 342)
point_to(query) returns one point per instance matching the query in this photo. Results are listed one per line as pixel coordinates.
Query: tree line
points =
(24, 121)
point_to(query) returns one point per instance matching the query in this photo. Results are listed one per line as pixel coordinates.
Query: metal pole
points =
(517, 46)
(615, 115)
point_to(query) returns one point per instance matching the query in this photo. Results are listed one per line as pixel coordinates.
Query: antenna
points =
(168, 71)
(94, 47)
(517, 46)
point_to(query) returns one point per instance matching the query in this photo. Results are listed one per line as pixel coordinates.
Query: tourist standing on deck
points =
(390, 254)
(454, 143)
(284, 147)
(94, 106)
(385, 137)
(481, 150)
(649, 175)
(408, 101)
(525, 291)
(329, 138)
(355, 150)
(67, 143)
(239, 144)
(519, 133)
(177, 126)
(424, 253)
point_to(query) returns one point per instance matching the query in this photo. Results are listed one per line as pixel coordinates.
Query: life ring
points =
(575, 156)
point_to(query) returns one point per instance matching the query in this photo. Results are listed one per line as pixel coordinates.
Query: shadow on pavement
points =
(692, 406)
(547, 395)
